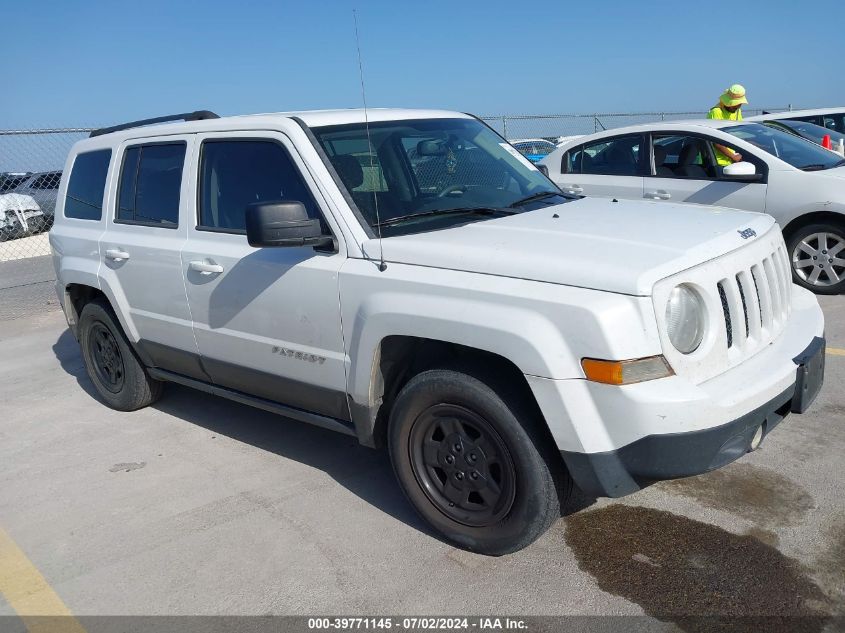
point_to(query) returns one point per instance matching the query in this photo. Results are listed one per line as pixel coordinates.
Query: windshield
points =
(792, 149)
(432, 173)
(808, 130)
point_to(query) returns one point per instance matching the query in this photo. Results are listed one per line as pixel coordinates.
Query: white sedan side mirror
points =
(739, 170)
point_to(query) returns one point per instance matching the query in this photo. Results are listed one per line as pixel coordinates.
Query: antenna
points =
(382, 266)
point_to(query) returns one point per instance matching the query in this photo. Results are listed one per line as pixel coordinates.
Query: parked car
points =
(501, 339)
(20, 216)
(534, 149)
(10, 180)
(43, 188)
(799, 183)
(804, 129)
(830, 118)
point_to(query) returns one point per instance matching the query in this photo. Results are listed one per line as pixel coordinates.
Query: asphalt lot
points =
(201, 506)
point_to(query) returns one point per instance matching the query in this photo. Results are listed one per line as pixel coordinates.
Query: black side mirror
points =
(283, 223)
(543, 169)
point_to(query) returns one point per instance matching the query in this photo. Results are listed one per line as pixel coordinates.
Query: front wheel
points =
(817, 256)
(475, 465)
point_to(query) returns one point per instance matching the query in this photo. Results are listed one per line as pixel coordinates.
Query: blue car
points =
(534, 149)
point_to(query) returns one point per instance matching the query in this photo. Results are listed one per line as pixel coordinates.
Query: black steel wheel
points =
(462, 464)
(475, 459)
(108, 361)
(112, 365)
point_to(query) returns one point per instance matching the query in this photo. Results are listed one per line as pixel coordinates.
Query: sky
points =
(76, 63)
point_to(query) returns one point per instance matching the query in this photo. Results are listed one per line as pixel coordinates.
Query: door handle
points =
(573, 189)
(205, 267)
(660, 194)
(116, 255)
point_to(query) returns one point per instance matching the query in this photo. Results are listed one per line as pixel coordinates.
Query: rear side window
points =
(87, 185)
(614, 157)
(150, 180)
(234, 174)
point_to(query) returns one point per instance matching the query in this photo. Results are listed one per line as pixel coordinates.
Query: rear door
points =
(140, 250)
(267, 320)
(684, 169)
(613, 167)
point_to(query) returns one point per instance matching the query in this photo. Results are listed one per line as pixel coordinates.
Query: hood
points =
(622, 247)
(17, 202)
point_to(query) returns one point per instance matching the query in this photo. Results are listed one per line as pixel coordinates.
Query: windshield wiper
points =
(536, 196)
(436, 212)
(813, 167)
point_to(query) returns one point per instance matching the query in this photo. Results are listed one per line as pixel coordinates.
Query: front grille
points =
(755, 301)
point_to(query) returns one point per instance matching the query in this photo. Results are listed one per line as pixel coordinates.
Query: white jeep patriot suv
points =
(410, 279)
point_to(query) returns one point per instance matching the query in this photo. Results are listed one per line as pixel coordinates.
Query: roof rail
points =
(199, 115)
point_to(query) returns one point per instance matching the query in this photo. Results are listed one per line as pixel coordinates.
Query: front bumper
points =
(672, 455)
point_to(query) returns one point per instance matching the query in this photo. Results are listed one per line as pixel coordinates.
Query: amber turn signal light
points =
(625, 372)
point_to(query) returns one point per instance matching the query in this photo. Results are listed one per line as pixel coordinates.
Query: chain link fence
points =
(30, 169)
(31, 161)
(557, 127)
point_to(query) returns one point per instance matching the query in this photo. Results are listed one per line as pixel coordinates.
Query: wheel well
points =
(817, 217)
(77, 296)
(400, 358)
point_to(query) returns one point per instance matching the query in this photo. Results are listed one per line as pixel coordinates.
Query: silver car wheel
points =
(819, 259)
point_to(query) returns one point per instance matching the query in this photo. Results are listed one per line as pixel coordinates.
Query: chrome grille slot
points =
(744, 303)
(764, 290)
(776, 289)
(750, 303)
(734, 301)
(783, 272)
(727, 312)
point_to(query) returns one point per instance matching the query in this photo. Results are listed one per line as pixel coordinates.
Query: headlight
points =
(685, 318)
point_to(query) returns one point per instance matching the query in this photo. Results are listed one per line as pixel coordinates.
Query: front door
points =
(685, 170)
(266, 320)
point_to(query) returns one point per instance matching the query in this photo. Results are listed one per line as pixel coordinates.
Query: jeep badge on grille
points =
(746, 233)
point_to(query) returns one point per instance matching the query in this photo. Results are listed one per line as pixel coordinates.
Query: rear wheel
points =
(817, 255)
(474, 464)
(117, 373)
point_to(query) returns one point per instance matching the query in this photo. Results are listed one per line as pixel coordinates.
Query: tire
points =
(118, 375)
(447, 422)
(821, 248)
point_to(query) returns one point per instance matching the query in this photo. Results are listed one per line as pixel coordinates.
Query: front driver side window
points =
(236, 173)
(682, 156)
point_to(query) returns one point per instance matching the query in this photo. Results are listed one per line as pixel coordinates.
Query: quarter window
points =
(619, 156)
(85, 190)
(150, 180)
(234, 174)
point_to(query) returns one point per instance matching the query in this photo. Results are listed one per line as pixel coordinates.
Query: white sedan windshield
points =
(798, 152)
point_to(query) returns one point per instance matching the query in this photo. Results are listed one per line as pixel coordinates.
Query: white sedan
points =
(798, 182)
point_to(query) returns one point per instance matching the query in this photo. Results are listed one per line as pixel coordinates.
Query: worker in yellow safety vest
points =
(729, 108)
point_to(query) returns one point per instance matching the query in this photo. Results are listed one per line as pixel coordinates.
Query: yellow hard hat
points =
(733, 96)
